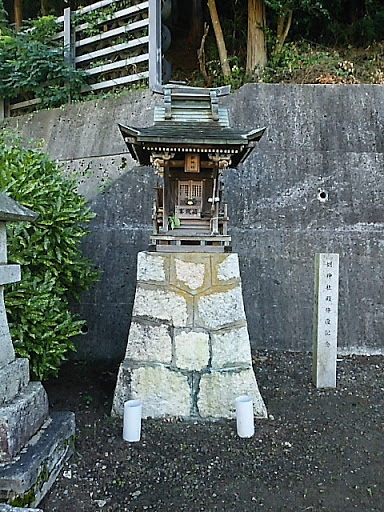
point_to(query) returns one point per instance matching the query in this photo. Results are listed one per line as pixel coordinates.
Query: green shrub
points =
(32, 68)
(53, 267)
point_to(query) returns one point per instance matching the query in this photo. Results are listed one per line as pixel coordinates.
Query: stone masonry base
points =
(188, 353)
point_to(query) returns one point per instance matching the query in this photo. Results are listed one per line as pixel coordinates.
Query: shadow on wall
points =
(119, 231)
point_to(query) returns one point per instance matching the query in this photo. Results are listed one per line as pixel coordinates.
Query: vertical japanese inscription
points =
(326, 301)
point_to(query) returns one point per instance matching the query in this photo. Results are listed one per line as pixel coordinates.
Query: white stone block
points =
(217, 310)
(192, 350)
(150, 267)
(231, 348)
(9, 274)
(164, 392)
(190, 274)
(229, 268)
(218, 391)
(149, 343)
(161, 305)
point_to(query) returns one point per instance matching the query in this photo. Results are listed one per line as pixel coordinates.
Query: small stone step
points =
(21, 419)
(8, 508)
(28, 477)
(14, 377)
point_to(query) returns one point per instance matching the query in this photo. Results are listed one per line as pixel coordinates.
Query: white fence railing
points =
(116, 43)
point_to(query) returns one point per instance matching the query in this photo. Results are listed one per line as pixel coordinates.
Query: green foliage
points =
(43, 29)
(173, 221)
(283, 6)
(302, 63)
(53, 268)
(3, 17)
(93, 19)
(30, 68)
(353, 23)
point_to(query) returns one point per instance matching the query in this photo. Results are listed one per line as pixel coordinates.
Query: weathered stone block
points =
(13, 378)
(220, 309)
(229, 268)
(30, 476)
(164, 393)
(7, 353)
(161, 305)
(192, 350)
(150, 267)
(149, 343)
(231, 348)
(3, 242)
(219, 389)
(9, 274)
(190, 274)
(20, 419)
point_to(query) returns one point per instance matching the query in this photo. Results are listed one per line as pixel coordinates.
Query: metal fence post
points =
(69, 47)
(4, 109)
(155, 53)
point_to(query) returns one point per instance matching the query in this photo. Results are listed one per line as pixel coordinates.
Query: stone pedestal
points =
(33, 445)
(188, 353)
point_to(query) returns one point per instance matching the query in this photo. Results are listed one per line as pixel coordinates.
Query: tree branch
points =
(201, 58)
(284, 23)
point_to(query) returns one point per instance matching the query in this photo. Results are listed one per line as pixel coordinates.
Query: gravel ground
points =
(320, 450)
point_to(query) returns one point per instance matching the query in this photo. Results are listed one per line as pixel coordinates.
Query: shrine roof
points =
(188, 133)
(190, 119)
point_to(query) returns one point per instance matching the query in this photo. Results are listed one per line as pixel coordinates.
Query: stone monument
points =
(33, 445)
(325, 320)
(188, 353)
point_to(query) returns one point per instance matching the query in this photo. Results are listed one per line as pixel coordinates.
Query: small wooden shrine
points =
(189, 145)
(188, 353)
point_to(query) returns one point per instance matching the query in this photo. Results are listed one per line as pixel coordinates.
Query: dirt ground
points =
(319, 450)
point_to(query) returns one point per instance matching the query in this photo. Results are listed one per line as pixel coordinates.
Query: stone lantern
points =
(33, 445)
(188, 353)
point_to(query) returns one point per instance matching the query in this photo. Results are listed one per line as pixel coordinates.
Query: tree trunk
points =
(284, 22)
(44, 7)
(197, 24)
(256, 45)
(18, 12)
(219, 38)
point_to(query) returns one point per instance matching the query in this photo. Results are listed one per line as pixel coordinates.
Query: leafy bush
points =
(53, 268)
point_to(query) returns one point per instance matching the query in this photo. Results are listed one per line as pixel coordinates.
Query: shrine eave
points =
(196, 137)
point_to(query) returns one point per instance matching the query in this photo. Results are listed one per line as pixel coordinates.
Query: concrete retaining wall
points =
(314, 184)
